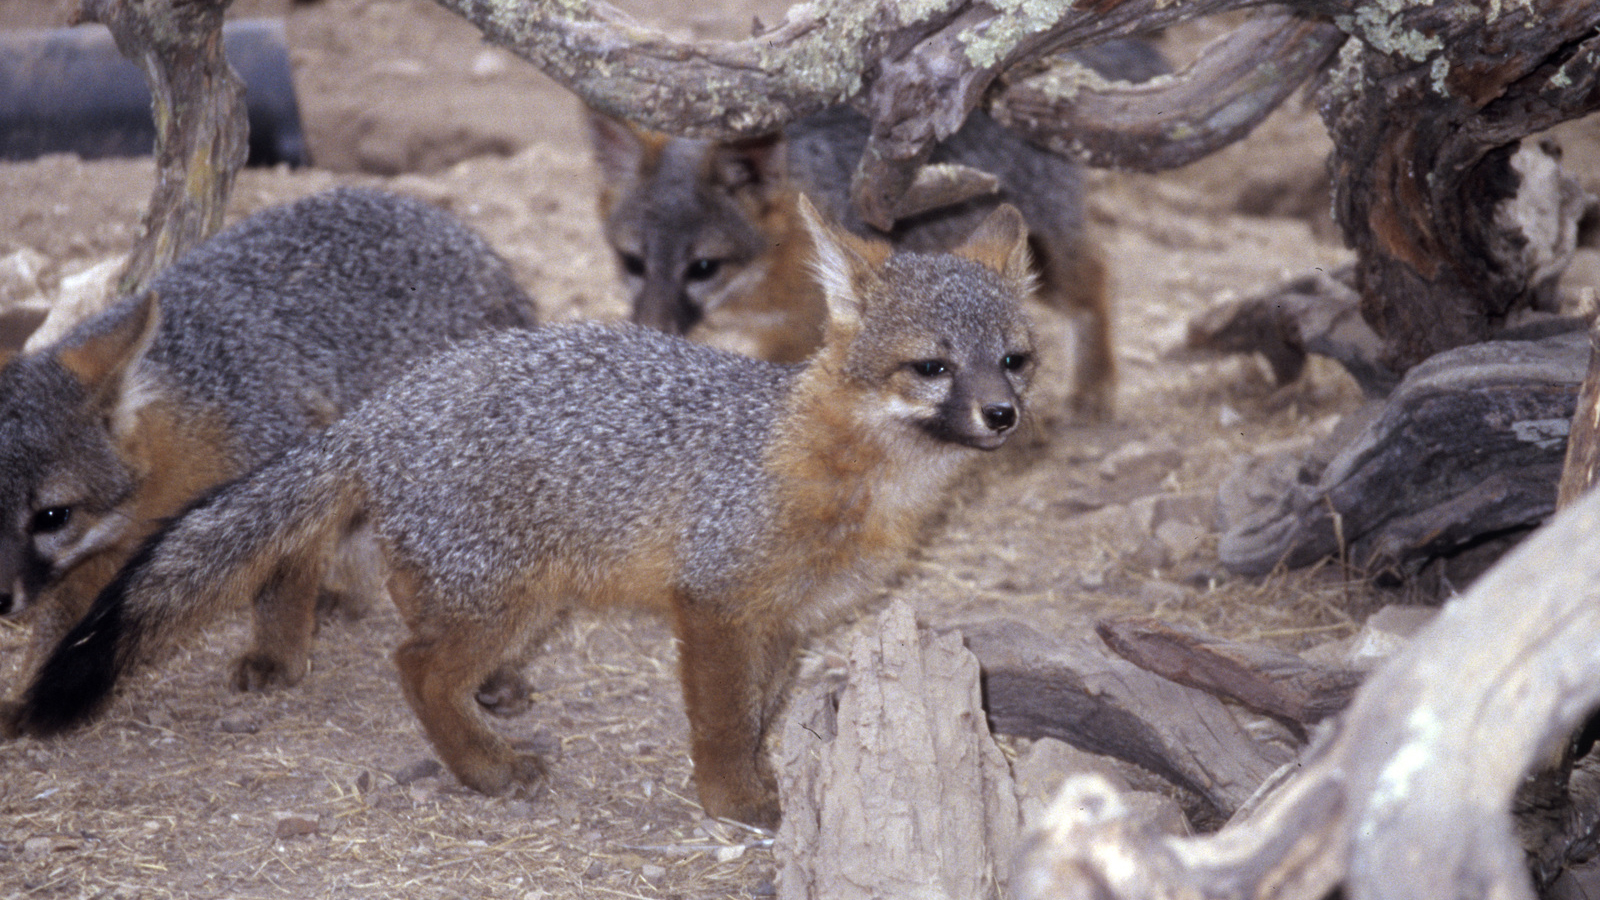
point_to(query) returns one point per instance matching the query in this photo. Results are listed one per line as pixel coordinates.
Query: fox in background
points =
(267, 332)
(711, 229)
(519, 475)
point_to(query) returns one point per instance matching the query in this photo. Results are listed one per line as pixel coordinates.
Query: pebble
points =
(289, 826)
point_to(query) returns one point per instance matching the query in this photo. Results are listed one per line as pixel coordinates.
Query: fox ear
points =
(99, 358)
(622, 149)
(844, 264)
(1001, 243)
(752, 163)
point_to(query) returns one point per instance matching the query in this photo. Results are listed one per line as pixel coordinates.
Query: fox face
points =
(685, 219)
(941, 340)
(61, 480)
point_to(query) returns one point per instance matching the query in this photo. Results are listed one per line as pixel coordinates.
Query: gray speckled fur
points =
(318, 303)
(533, 445)
(525, 471)
(271, 329)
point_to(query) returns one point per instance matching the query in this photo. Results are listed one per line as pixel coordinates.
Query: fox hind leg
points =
(285, 612)
(441, 675)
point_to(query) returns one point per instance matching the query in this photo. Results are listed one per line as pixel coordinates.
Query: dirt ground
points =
(186, 789)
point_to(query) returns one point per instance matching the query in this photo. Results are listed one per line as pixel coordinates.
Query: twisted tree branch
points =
(201, 127)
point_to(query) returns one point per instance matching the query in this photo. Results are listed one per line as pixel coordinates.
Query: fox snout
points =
(983, 426)
(664, 306)
(980, 410)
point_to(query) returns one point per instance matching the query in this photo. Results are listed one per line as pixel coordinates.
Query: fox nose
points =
(8, 603)
(999, 416)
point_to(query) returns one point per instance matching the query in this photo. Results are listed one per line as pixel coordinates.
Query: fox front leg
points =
(732, 673)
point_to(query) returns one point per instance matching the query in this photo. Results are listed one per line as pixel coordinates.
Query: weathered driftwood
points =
(1318, 312)
(892, 786)
(1074, 690)
(1167, 122)
(1557, 817)
(1409, 794)
(1581, 467)
(917, 70)
(1425, 108)
(201, 127)
(1468, 446)
(1273, 682)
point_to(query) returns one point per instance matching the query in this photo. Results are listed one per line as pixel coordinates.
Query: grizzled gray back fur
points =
(274, 346)
(527, 428)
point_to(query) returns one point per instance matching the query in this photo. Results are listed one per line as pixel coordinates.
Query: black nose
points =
(999, 416)
(7, 604)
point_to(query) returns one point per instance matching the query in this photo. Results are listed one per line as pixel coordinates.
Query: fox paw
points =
(752, 807)
(505, 693)
(260, 672)
(530, 777)
(523, 775)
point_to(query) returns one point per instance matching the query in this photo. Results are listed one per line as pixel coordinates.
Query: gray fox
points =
(266, 332)
(701, 226)
(526, 472)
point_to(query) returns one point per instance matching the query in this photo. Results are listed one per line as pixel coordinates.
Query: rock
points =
(422, 768)
(289, 825)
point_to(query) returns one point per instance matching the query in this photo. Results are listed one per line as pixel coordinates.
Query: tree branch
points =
(1173, 121)
(1410, 795)
(201, 126)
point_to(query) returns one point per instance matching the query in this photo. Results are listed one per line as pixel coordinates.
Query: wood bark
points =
(892, 785)
(201, 126)
(917, 70)
(1409, 794)
(1272, 682)
(1466, 448)
(1167, 122)
(1582, 464)
(1072, 689)
(1425, 108)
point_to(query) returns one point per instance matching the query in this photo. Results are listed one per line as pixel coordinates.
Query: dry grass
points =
(185, 789)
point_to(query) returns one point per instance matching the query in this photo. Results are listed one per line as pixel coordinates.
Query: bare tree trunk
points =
(201, 129)
(1425, 108)
(1410, 794)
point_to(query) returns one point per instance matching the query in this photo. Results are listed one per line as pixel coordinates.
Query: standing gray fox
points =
(701, 226)
(267, 332)
(524, 473)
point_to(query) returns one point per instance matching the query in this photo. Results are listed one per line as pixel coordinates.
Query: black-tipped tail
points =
(76, 680)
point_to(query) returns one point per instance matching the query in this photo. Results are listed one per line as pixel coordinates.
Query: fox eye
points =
(930, 368)
(52, 518)
(702, 269)
(633, 265)
(1013, 362)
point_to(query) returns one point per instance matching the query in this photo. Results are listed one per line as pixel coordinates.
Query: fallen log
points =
(1407, 795)
(1074, 690)
(1468, 447)
(1272, 682)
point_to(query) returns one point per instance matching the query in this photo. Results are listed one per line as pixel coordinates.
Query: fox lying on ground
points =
(524, 473)
(265, 333)
(700, 226)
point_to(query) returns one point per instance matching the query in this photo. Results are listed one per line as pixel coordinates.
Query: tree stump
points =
(892, 786)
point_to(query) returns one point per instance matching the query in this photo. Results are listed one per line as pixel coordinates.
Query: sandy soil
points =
(186, 789)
